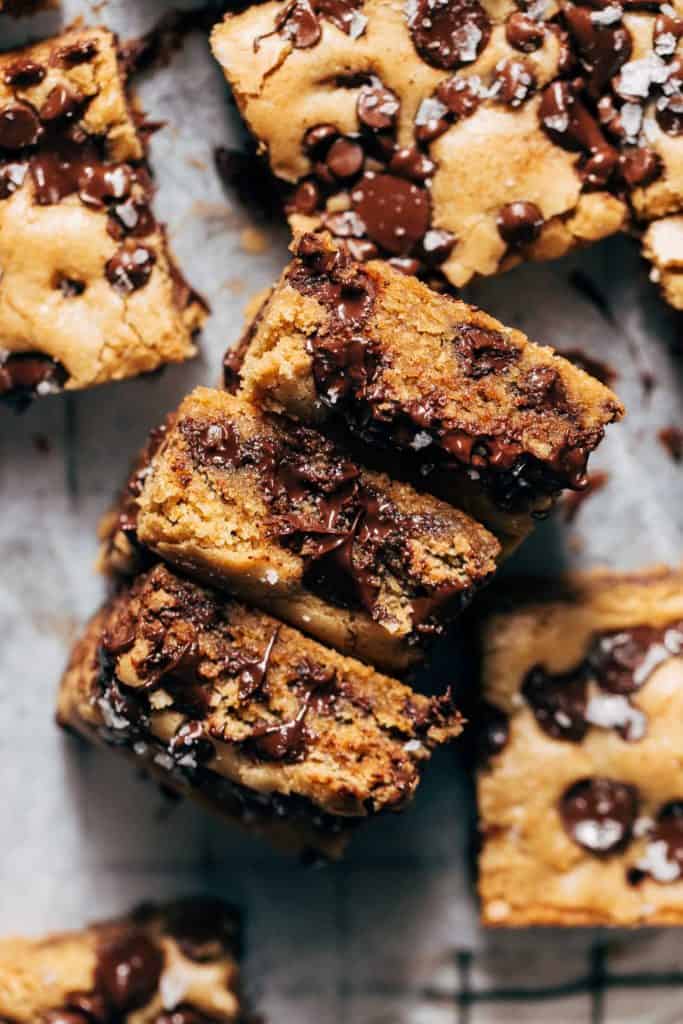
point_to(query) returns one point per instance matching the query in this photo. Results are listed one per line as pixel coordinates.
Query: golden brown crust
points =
(541, 129)
(106, 300)
(179, 956)
(285, 519)
(587, 681)
(236, 708)
(499, 423)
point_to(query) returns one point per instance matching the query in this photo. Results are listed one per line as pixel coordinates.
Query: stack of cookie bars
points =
(289, 546)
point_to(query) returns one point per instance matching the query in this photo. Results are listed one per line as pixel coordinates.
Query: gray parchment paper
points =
(390, 935)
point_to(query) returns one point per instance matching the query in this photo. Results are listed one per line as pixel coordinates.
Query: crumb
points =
(671, 438)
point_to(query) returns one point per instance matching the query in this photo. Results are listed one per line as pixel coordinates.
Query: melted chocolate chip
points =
(130, 268)
(377, 107)
(284, 742)
(519, 223)
(24, 73)
(299, 20)
(570, 124)
(558, 702)
(19, 126)
(599, 814)
(483, 351)
(62, 104)
(449, 33)
(624, 660)
(459, 96)
(523, 33)
(603, 49)
(306, 199)
(128, 971)
(253, 671)
(396, 212)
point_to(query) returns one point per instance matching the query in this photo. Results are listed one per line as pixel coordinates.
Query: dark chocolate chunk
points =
(514, 82)
(23, 375)
(483, 351)
(603, 49)
(62, 104)
(599, 814)
(448, 33)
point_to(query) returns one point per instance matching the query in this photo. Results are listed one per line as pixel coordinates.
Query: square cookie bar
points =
(163, 965)
(104, 300)
(465, 137)
(581, 784)
(284, 518)
(238, 710)
(484, 418)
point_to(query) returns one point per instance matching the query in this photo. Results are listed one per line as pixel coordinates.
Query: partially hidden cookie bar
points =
(247, 715)
(283, 518)
(463, 138)
(484, 417)
(175, 964)
(89, 291)
(581, 783)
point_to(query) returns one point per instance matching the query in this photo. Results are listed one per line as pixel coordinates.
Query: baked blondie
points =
(105, 300)
(258, 722)
(282, 517)
(164, 965)
(463, 138)
(484, 417)
(581, 784)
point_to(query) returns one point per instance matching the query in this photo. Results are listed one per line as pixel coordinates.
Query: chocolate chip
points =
(132, 217)
(449, 33)
(437, 245)
(298, 22)
(409, 162)
(19, 126)
(24, 73)
(99, 183)
(669, 833)
(128, 971)
(459, 96)
(542, 388)
(570, 124)
(623, 660)
(599, 814)
(69, 286)
(318, 139)
(377, 107)
(395, 212)
(62, 104)
(306, 199)
(23, 375)
(667, 31)
(519, 223)
(130, 268)
(344, 158)
(77, 53)
(205, 930)
(669, 113)
(640, 166)
(558, 702)
(523, 33)
(514, 82)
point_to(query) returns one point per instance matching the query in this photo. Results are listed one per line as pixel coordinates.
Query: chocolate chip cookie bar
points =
(284, 518)
(258, 722)
(581, 784)
(166, 965)
(464, 137)
(483, 417)
(105, 300)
